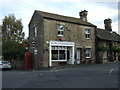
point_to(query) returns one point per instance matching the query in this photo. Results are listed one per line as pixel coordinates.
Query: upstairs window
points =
(35, 31)
(60, 30)
(87, 33)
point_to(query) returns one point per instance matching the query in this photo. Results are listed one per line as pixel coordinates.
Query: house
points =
(107, 44)
(56, 39)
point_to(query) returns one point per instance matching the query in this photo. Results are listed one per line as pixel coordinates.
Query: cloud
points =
(51, 1)
(97, 11)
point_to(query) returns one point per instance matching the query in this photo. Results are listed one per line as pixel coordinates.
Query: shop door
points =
(78, 56)
(70, 55)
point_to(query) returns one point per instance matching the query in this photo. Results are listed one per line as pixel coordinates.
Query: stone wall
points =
(72, 32)
(105, 56)
(37, 21)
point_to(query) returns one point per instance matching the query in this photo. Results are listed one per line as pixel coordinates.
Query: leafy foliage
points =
(102, 48)
(13, 36)
(115, 49)
(12, 29)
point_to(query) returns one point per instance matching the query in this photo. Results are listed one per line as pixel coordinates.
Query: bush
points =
(102, 48)
(13, 52)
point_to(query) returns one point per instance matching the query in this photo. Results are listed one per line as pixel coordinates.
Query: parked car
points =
(5, 65)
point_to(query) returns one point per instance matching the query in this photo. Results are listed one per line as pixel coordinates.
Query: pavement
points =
(52, 68)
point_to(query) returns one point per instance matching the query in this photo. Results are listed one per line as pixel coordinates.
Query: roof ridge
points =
(57, 14)
(46, 14)
(107, 35)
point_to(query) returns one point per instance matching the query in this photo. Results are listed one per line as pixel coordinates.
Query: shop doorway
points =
(70, 55)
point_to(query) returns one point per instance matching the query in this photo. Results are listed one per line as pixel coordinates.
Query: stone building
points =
(56, 39)
(107, 43)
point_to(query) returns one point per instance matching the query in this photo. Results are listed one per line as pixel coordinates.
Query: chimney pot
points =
(107, 23)
(83, 15)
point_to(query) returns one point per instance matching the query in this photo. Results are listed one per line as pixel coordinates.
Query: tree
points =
(12, 37)
(12, 29)
(14, 52)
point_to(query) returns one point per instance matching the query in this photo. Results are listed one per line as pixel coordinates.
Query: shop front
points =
(61, 51)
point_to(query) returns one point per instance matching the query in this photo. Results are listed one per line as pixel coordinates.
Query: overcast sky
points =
(97, 10)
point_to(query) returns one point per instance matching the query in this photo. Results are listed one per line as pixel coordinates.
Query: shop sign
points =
(62, 43)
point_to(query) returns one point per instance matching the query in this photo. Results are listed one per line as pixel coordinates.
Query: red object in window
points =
(62, 39)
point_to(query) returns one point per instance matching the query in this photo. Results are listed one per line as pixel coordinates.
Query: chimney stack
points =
(107, 23)
(83, 15)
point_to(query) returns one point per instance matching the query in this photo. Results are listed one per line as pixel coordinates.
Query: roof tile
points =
(107, 35)
(64, 18)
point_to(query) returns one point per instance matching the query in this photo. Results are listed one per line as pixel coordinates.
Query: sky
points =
(98, 10)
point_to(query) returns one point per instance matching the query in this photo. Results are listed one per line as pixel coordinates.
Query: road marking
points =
(111, 71)
(40, 74)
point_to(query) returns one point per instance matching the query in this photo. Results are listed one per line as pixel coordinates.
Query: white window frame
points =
(59, 43)
(61, 30)
(58, 49)
(35, 31)
(87, 33)
(88, 52)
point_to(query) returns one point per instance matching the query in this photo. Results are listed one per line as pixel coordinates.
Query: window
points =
(62, 55)
(54, 54)
(87, 33)
(59, 53)
(88, 52)
(60, 30)
(35, 31)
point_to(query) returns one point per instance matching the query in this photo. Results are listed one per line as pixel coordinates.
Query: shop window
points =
(60, 30)
(88, 53)
(54, 54)
(87, 33)
(62, 54)
(59, 53)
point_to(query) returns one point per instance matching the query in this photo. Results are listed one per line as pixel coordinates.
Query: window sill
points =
(58, 60)
(87, 38)
(60, 35)
(88, 57)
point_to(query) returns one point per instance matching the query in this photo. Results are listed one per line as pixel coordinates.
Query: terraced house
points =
(56, 39)
(107, 43)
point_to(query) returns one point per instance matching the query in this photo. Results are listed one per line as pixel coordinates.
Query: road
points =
(78, 76)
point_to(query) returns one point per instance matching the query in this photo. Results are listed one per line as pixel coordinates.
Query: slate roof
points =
(64, 18)
(107, 35)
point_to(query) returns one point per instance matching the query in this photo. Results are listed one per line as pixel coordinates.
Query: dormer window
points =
(60, 30)
(87, 33)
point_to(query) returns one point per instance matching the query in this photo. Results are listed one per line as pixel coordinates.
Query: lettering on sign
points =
(61, 43)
